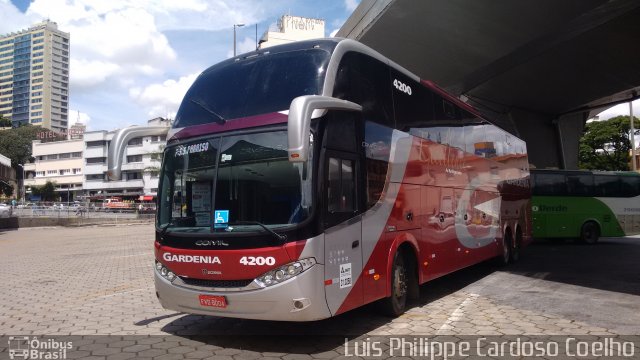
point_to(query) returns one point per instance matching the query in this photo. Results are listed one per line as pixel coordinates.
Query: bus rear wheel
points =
(506, 257)
(397, 303)
(589, 233)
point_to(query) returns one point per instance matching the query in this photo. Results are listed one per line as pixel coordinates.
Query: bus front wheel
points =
(397, 303)
(589, 233)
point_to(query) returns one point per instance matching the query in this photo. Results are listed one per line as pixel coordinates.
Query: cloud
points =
(246, 45)
(163, 99)
(351, 4)
(88, 73)
(76, 116)
(107, 41)
(333, 33)
(620, 109)
(12, 18)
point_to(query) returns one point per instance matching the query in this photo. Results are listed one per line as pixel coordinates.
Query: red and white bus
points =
(308, 179)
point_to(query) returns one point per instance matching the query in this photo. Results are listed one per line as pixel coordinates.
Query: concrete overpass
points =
(538, 68)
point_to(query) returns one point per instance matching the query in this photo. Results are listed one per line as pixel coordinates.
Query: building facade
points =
(139, 170)
(8, 176)
(60, 162)
(292, 28)
(34, 76)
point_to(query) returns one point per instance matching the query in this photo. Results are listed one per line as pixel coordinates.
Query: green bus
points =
(585, 204)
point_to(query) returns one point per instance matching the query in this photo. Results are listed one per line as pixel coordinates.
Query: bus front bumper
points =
(299, 299)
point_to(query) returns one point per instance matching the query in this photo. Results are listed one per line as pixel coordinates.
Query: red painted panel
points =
(222, 264)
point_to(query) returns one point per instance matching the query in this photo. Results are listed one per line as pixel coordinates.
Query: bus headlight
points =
(165, 272)
(284, 272)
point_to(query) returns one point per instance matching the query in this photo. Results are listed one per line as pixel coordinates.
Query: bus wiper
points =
(165, 229)
(220, 120)
(280, 237)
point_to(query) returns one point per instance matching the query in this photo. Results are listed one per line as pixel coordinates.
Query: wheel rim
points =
(400, 282)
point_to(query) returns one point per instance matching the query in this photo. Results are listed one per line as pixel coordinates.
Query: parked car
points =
(5, 210)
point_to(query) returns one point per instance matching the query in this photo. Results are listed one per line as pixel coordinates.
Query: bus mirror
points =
(300, 114)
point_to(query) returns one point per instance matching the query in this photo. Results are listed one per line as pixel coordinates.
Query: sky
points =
(133, 60)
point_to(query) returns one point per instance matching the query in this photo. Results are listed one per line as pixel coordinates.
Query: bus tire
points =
(506, 256)
(396, 304)
(517, 246)
(589, 233)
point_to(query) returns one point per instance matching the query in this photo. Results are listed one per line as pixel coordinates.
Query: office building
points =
(140, 167)
(59, 162)
(34, 76)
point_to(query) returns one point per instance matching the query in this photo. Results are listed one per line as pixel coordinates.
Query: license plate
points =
(213, 301)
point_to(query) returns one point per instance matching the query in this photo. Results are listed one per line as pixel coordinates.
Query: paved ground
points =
(98, 281)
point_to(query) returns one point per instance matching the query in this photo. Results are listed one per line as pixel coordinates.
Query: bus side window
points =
(341, 190)
(365, 81)
(606, 186)
(580, 185)
(412, 104)
(550, 185)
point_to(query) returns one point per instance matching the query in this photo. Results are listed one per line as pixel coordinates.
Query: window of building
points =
(65, 171)
(39, 173)
(98, 143)
(134, 175)
(36, 107)
(52, 172)
(76, 155)
(52, 157)
(65, 156)
(98, 160)
(134, 158)
(135, 142)
(94, 177)
(77, 171)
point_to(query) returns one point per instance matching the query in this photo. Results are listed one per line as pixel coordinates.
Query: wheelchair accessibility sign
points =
(221, 218)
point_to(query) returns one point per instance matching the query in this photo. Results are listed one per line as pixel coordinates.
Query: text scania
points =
(196, 259)
(192, 149)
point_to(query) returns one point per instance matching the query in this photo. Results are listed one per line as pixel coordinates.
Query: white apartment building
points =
(34, 76)
(139, 170)
(59, 162)
(292, 28)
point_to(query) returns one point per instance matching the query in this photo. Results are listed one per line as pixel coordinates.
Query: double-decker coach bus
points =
(585, 205)
(311, 178)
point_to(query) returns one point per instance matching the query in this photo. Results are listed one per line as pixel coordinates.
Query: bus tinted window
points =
(259, 85)
(549, 184)
(580, 185)
(365, 81)
(413, 104)
(377, 143)
(630, 186)
(606, 186)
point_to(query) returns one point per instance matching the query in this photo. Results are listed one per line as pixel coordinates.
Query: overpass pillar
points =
(570, 129)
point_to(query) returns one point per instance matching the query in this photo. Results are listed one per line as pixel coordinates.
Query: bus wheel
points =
(589, 233)
(396, 304)
(515, 250)
(505, 258)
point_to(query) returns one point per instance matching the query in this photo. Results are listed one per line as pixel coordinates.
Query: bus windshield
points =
(262, 84)
(252, 179)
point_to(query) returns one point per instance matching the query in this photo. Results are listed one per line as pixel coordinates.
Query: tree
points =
(4, 122)
(7, 189)
(16, 144)
(605, 144)
(47, 192)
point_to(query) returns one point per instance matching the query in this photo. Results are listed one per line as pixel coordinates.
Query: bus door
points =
(343, 232)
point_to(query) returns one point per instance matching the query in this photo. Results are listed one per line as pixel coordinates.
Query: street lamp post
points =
(234, 37)
(22, 189)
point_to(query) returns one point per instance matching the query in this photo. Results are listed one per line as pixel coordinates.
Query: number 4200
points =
(257, 260)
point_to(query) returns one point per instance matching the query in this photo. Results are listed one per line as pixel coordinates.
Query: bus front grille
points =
(216, 283)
